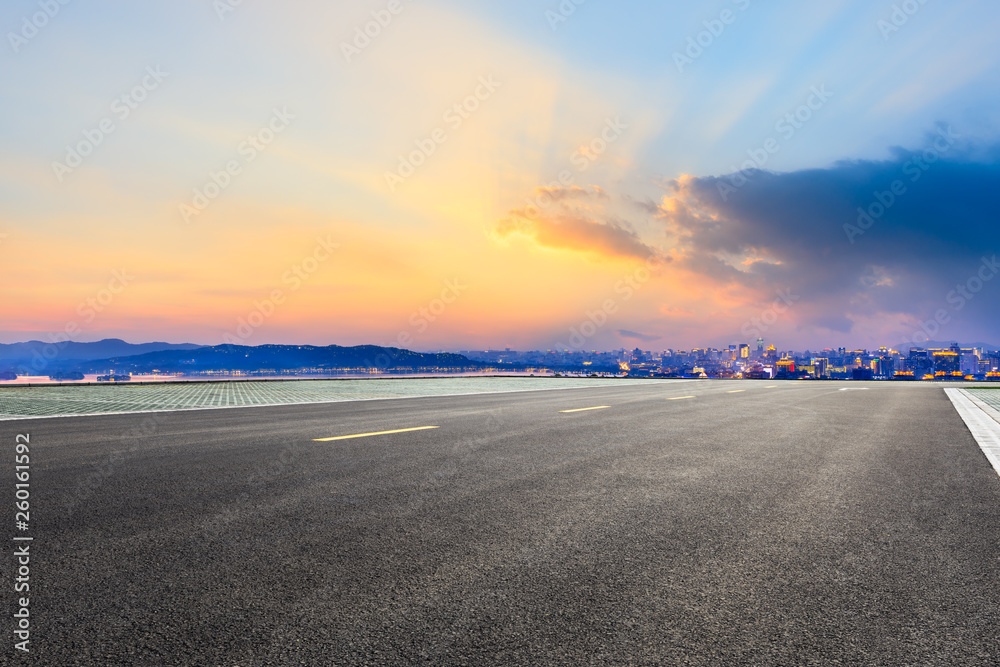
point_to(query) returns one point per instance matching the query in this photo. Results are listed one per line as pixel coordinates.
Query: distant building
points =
(111, 377)
(947, 362)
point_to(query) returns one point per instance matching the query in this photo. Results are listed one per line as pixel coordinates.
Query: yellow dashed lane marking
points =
(368, 435)
(679, 398)
(736, 391)
(599, 407)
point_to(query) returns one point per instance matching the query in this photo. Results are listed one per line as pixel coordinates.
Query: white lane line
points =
(680, 398)
(599, 407)
(985, 429)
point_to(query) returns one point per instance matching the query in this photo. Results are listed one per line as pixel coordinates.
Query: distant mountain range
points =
(21, 354)
(937, 344)
(40, 358)
(278, 358)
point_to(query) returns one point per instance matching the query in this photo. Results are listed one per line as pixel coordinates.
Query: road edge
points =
(982, 421)
(20, 418)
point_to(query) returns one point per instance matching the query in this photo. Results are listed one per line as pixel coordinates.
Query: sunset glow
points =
(523, 166)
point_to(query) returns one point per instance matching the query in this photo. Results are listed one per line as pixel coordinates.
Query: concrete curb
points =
(983, 405)
(983, 421)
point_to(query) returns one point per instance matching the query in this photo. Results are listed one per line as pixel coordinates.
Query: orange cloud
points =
(574, 233)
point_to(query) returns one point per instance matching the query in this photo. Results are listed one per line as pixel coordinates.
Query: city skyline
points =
(117, 361)
(445, 175)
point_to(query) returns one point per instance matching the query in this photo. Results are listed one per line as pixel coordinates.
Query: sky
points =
(445, 175)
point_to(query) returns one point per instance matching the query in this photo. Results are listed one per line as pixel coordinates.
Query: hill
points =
(937, 344)
(281, 358)
(73, 351)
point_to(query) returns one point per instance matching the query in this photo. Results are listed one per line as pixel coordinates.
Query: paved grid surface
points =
(990, 397)
(21, 402)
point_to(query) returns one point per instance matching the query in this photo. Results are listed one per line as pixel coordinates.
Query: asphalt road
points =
(798, 524)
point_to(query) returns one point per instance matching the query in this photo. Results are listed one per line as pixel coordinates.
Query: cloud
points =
(558, 193)
(576, 218)
(635, 335)
(610, 238)
(858, 240)
(647, 206)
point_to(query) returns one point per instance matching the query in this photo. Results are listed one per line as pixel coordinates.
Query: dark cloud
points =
(856, 239)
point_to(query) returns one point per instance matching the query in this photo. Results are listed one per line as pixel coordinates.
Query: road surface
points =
(698, 523)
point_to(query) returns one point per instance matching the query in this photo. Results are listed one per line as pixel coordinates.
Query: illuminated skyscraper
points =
(946, 362)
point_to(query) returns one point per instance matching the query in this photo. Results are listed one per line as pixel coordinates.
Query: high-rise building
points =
(968, 362)
(946, 361)
(884, 366)
(920, 363)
